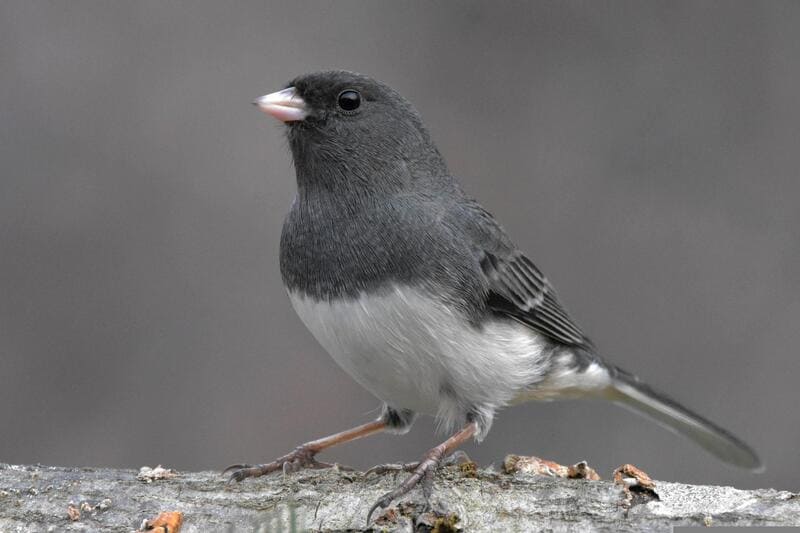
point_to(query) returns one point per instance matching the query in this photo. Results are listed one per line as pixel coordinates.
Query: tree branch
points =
(37, 498)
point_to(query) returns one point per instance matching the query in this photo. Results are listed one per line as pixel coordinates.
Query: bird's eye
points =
(349, 100)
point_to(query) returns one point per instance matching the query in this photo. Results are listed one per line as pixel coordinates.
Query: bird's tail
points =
(628, 391)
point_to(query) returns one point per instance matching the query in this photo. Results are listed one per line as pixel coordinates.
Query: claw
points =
(382, 503)
(422, 474)
(238, 476)
(236, 467)
(242, 472)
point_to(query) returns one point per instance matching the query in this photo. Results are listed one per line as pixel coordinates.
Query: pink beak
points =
(285, 105)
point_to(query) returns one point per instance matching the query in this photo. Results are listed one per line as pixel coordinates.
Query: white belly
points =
(413, 352)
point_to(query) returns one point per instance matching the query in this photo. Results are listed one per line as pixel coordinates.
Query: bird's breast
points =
(414, 351)
(330, 252)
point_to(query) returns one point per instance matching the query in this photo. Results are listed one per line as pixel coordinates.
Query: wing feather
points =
(516, 287)
(519, 290)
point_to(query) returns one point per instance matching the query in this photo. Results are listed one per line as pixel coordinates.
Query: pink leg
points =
(303, 455)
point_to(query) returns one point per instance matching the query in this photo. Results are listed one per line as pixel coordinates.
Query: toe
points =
(427, 484)
(391, 467)
(382, 503)
(240, 475)
(459, 457)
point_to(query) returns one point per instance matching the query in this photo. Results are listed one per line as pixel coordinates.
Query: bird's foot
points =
(422, 474)
(300, 457)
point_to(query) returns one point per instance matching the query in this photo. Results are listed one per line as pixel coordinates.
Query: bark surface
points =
(40, 498)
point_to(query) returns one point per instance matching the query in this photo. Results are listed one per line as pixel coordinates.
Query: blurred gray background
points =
(645, 154)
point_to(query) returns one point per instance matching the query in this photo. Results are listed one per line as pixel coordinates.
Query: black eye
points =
(349, 100)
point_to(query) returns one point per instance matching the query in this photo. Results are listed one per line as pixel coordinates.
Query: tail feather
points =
(628, 391)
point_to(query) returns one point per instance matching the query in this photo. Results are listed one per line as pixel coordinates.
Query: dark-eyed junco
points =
(416, 290)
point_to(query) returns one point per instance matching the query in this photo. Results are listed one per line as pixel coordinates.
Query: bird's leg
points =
(424, 470)
(303, 455)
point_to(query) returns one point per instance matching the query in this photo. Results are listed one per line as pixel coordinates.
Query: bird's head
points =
(346, 129)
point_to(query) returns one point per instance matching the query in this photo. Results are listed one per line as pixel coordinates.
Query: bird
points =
(417, 291)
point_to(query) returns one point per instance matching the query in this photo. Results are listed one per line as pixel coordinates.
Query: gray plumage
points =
(418, 292)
